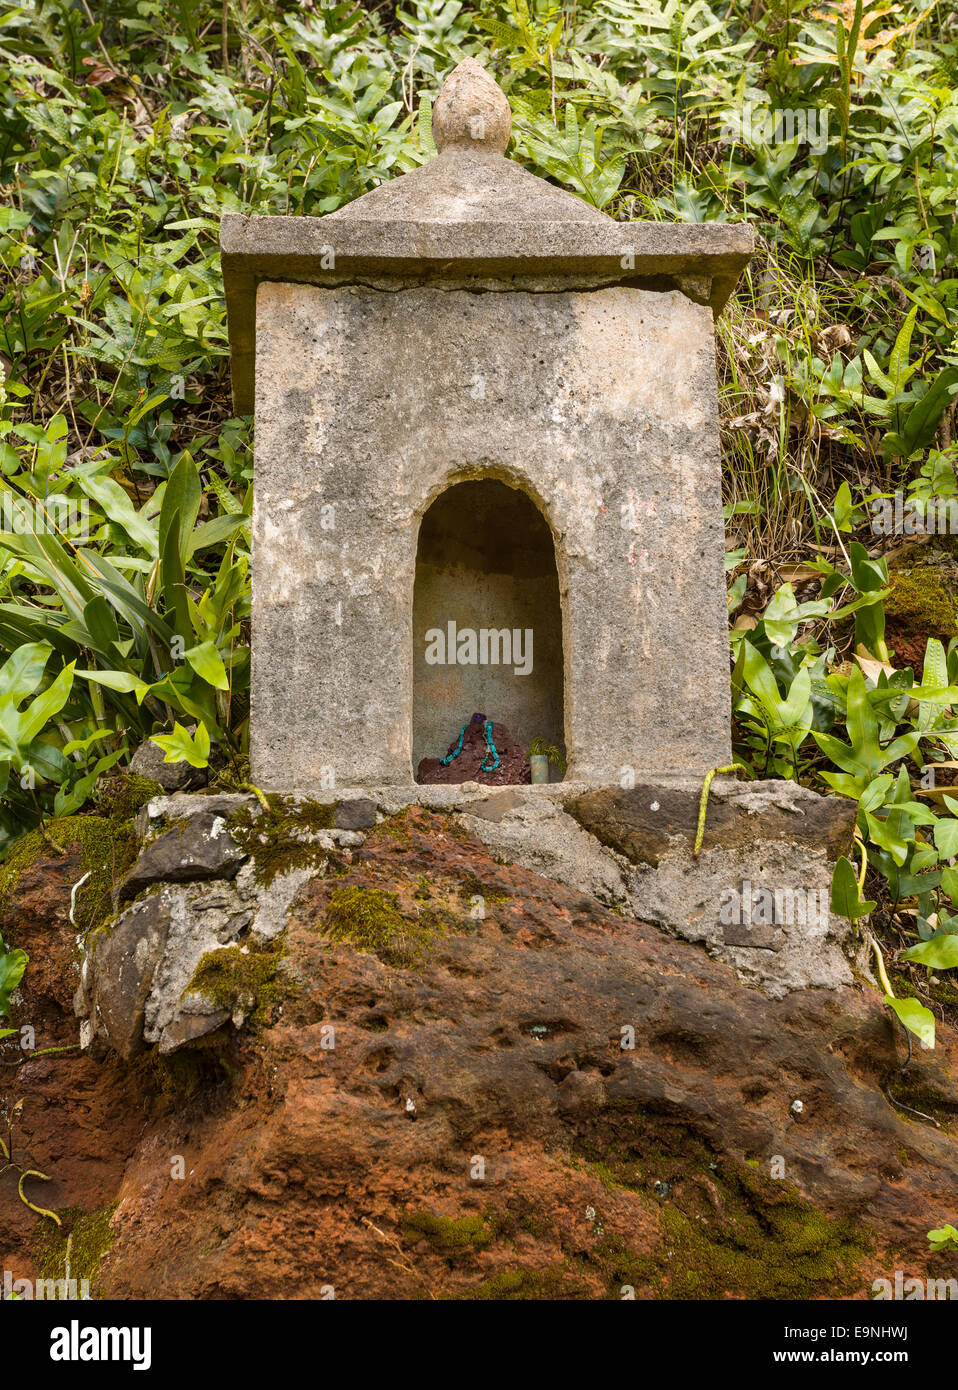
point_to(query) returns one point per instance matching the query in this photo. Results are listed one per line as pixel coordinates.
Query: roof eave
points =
(703, 259)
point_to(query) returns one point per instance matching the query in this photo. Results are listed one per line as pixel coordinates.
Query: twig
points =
(40, 1211)
(73, 894)
(880, 959)
(886, 985)
(703, 805)
(900, 1105)
(248, 787)
(43, 1052)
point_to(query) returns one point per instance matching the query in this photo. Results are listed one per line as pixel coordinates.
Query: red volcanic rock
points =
(467, 764)
(470, 1081)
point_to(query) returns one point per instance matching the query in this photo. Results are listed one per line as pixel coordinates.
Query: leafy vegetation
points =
(12, 965)
(125, 481)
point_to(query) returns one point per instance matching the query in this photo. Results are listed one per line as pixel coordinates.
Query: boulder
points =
(359, 813)
(200, 848)
(526, 828)
(150, 761)
(118, 974)
(548, 1099)
(758, 895)
(647, 822)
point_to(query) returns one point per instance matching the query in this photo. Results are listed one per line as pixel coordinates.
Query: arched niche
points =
(486, 563)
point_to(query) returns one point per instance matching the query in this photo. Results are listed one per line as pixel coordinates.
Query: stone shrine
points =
(487, 472)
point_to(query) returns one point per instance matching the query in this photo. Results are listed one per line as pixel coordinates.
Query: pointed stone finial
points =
(471, 111)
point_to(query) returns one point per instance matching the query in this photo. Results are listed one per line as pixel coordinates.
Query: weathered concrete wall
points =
(486, 560)
(601, 405)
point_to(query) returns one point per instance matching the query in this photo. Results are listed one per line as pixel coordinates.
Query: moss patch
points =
(730, 1232)
(918, 607)
(370, 920)
(446, 1233)
(122, 794)
(474, 887)
(282, 841)
(107, 849)
(233, 777)
(75, 1249)
(242, 978)
(398, 828)
(908, 1088)
(556, 1282)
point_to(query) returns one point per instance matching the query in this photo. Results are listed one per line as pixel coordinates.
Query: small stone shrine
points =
(487, 471)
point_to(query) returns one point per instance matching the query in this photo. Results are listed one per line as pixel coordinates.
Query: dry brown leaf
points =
(797, 573)
(830, 339)
(98, 73)
(937, 794)
(872, 12)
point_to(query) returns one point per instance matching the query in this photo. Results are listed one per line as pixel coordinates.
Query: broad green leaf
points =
(179, 747)
(101, 625)
(118, 508)
(208, 664)
(946, 837)
(181, 505)
(41, 710)
(12, 965)
(885, 833)
(122, 681)
(82, 745)
(214, 532)
(940, 953)
(846, 900)
(942, 1237)
(915, 1017)
(876, 791)
(22, 673)
(862, 723)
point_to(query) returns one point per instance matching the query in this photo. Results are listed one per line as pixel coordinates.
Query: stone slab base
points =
(758, 894)
(757, 897)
